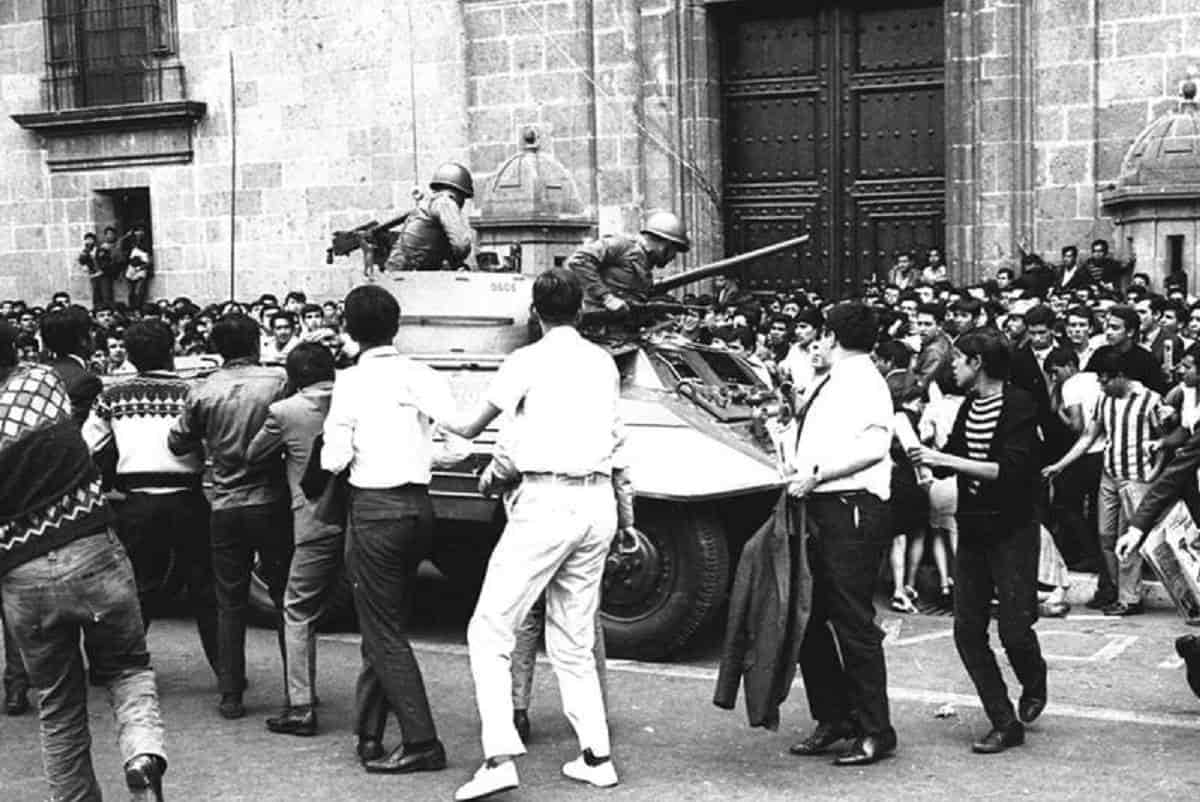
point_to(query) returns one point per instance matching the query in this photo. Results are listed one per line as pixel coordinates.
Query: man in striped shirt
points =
(1128, 416)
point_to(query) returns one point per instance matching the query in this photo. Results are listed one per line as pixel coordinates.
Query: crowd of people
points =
(1027, 418)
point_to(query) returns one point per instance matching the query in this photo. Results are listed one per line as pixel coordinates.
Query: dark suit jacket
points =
(1177, 481)
(1015, 447)
(768, 610)
(1027, 374)
(83, 386)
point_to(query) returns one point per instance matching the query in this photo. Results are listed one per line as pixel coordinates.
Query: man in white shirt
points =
(564, 438)
(1075, 396)
(380, 426)
(843, 475)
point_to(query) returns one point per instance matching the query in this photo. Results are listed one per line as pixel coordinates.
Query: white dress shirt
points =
(562, 394)
(381, 420)
(850, 418)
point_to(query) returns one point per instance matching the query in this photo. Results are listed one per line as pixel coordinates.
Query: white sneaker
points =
(489, 780)
(603, 775)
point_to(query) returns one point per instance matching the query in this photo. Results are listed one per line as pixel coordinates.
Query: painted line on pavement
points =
(920, 696)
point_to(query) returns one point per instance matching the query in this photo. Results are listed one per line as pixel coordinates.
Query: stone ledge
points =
(124, 117)
(101, 137)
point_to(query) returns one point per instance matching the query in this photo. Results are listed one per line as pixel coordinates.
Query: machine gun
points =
(380, 235)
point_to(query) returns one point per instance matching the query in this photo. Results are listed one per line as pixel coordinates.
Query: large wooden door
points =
(833, 126)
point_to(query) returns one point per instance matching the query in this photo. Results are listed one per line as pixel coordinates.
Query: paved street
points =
(1122, 724)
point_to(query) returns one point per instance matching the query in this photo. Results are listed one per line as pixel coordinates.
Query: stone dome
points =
(1166, 154)
(531, 186)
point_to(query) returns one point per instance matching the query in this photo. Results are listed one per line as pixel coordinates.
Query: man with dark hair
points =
(963, 315)
(283, 338)
(993, 451)
(1121, 331)
(291, 426)
(1128, 418)
(164, 517)
(1030, 374)
(1070, 276)
(67, 335)
(565, 440)
(312, 317)
(101, 285)
(1104, 269)
(1076, 395)
(843, 476)
(932, 364)
(64, 578)
(249, 502)
(892, 358)
(380, 426)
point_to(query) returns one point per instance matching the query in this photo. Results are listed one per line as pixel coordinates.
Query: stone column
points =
(989, 121)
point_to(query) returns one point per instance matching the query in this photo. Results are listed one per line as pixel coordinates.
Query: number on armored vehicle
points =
(503, 286)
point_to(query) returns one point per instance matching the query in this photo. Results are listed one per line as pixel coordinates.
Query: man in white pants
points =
(564, 438)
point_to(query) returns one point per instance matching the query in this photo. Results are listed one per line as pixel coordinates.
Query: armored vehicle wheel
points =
(339, 608)
(659, 591)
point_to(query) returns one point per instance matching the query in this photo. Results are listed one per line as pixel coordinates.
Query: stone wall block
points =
(1126, 9)
(1141, 36)
(528, 54)
(1064, 84)
(267, 175)
(1068, 164)
(1062, 13)
(1051, 125)
(483, 22)
(1131, 79)
(30, 238)
(1055, 203)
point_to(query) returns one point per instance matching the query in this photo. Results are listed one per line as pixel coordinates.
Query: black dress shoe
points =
(294, 721)
(1030, 707)
(1000, 739)
(143, 778)
(369, 749)
(824, 736)
(1100, 601)
(867, 750)
(231, 706)
(406, 759)
(521, 722)
(1188, 647)
(16, 700)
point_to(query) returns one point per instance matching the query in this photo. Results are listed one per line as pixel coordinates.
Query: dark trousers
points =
(137, 292)
(238, 534)
(996, 560)
(15, 676)
(390, 532)
(1075, 498)
(102, 291)
(161, 529)
(849, 535)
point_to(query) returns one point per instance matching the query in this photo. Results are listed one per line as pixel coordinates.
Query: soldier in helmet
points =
(436, 234)
(616, 270)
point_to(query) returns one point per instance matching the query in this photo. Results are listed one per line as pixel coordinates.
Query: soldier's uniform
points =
(614, 265)
(436, 234)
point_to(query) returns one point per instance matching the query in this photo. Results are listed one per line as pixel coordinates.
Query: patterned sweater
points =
(136, 415)
(49, 489)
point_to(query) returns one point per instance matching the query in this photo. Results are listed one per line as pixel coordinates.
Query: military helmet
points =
(453, 175)
(666, 225)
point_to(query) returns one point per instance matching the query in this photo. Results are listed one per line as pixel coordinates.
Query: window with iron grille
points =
(110, 52)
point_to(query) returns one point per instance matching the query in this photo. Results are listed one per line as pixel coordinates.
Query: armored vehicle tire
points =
(338, 615)
(658, 595)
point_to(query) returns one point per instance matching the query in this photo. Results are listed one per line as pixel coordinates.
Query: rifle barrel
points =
(713, 268)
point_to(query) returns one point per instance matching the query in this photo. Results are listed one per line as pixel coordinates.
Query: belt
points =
(575, 480)
(844, 495)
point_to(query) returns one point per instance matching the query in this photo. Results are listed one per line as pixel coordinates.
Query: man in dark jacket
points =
(993, 449)
(66, 334)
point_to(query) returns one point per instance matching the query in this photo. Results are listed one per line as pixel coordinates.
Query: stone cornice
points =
(124, 117)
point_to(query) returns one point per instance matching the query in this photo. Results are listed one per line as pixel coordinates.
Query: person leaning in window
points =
(993, 449)
(380, 426)
(844, 476)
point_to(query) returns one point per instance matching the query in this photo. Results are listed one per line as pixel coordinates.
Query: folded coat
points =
(768, 610)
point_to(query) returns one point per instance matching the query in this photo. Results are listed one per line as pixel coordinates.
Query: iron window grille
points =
(110, 52)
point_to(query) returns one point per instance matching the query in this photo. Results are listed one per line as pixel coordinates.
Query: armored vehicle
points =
(703, 467)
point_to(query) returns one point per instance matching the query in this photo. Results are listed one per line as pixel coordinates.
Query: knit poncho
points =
(49, 489)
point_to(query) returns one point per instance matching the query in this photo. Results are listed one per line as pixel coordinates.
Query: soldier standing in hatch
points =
(436, 233)
(617, 270)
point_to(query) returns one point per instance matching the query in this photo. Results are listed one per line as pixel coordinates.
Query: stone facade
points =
(340, 114)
